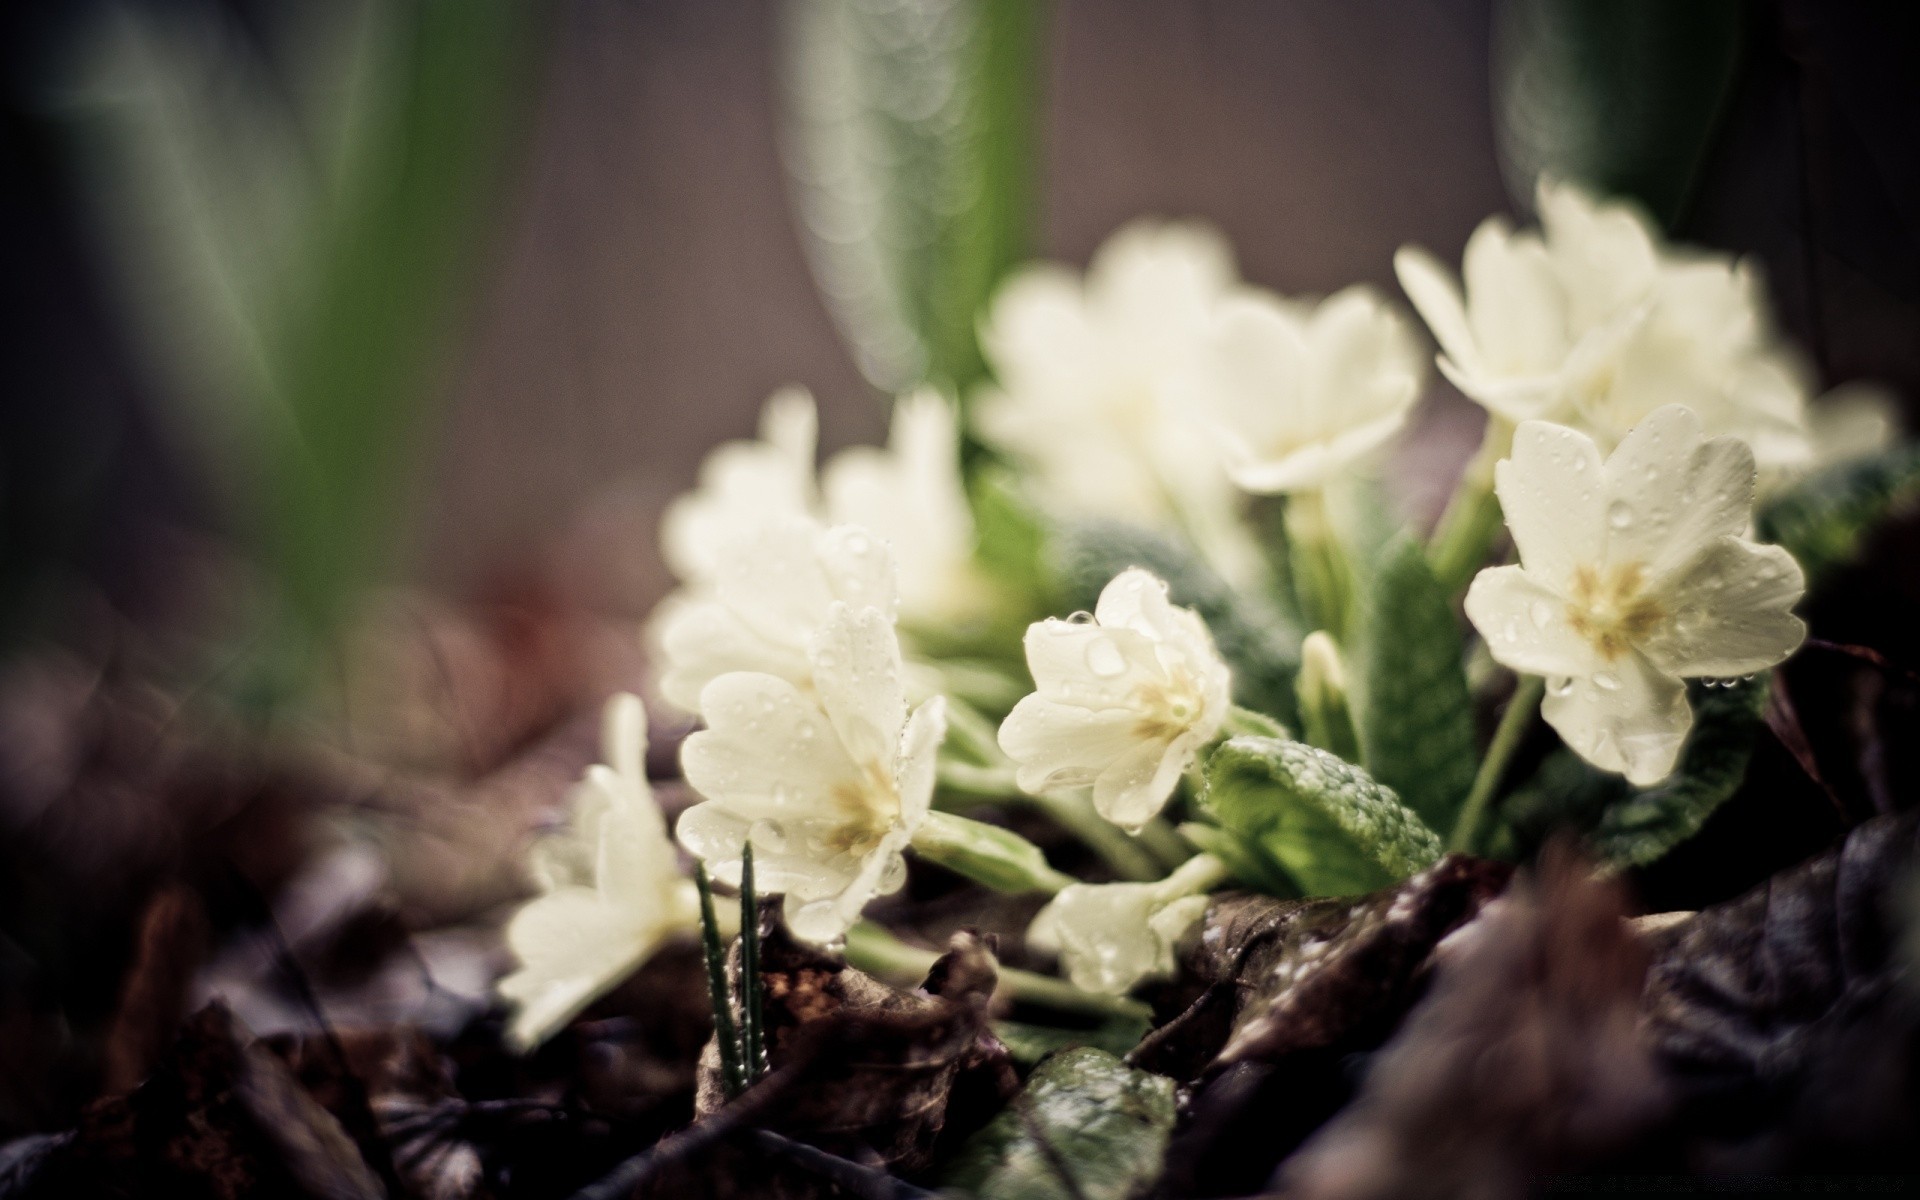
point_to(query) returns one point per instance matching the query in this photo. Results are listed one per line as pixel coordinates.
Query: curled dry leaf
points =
(1292, 988)
(1524, 1060)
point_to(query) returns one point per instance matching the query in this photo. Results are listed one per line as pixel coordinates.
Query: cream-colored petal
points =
(1551, 494)
(1064, 745)
(1514, 302)
(1436, 296)
(856, 673)
(768, 750)
(914, 775)
(1525, 624)
(1671, 494)
(1365, 364)
(1629, 718)
(1089, 665)
(702, 639)
(1133, 788)
(1729, 612)
(1137, 599)
(573, 948)
(1606, 254)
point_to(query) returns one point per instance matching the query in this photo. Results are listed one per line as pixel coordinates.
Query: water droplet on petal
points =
(1607, 681)
(1560, 685)
(768, 835)
(1619, 514)
(1083, 617)
(1511, 630)
(1104, 658)
(894, 877)
(1542, 614)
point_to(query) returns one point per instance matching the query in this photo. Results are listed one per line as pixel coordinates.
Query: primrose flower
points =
(612, 891)
(1093, 393)
(911, 496)
(1124, 700)
(829, 782)
(1300, 392)
(742, 484)
(1112, 937)
(1596, 323)
(1634, 574)
(769, 594)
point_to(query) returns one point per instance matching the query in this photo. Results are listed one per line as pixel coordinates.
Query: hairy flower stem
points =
(718, 994)
(753, 1050)
(874, 950)
(1471, 522)
(1322, 577)
(1130, 857)
(989, 855)
(1506, 740)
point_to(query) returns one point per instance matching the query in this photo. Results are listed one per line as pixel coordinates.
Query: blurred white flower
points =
(911, 496)
(1123, 700)
(612, 890)
(1634, 575)
(742, 484)
(1597, 323)
(1092, 392)
(1112, 937)
(1854, 420)
(1299, 391)
(768, 595)
(829, 783)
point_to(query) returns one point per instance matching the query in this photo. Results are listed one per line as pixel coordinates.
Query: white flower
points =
(1092, 392)
(741, 485)
(1634, 575)
(612, 890)
(1112, 937)
(1300, 392)
(769, 594)
(1123, 702)
(911, 496)
(1854, 421)
(1597, 324)
(829, 783)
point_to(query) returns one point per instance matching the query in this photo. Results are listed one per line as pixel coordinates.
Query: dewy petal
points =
(1064, 745)
(767, 750)
(1729, 612)
(1525, 624)
(1088, 665)
(1436, 295)
(1105, 936)
(1133, 788)
(702, 639)
(571, 947)
(1629, 718)
(1670, 494)
(914, 776)
(1514, 303)
(856, 673)
(1606, 255)
(1137, 599)
(1550, 491)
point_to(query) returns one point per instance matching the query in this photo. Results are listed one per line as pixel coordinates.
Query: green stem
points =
(969, 729)
(989, 855)
(1127, 856)
(718, 994)
(1322, 576)
(874, 950)
(1472, 521)
(1247, 721)
(1506, 740)
(987, 783)
(753, 1051)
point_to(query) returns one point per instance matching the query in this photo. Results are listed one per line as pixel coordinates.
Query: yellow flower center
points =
(1169, 707)
(1610, 608)
(868, 807)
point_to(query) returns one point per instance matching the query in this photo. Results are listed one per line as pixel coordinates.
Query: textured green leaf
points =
(1086, 1127)
(1257, 640)
(1335, 830)
(1824, 521)
(1029, 1043)
(1415, 713)
(911, 139)
(1623, 96)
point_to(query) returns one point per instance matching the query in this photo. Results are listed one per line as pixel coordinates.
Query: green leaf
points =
(1029, 1043)
(910, 125)
(1643, 826)
(1623, 96)
(1824, 521)
(1415, 712)
(1335, 830)
(1256, 639)
(1086, 1127)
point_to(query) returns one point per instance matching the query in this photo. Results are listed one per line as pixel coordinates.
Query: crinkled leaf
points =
(1786, 1017)
(1825, 520)
(1258, 641)
(1644, 825)
(1030, 1043)
(1335, 829)
(1415, 713)
(910, 129)
(1086, 1127)
(1622, 97)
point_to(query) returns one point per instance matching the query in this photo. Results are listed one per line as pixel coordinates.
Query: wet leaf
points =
(1825, 520)
(1523, 1060)
(1415, 714)
(1086, 1127)
(1335, 830)
(1259, 642)
(1645, 824)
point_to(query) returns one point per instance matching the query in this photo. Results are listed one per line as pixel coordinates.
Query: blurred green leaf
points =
(1335, 830)
(1415, 711)
(1086, 1127)
(1623, 96)
(301, 220)
(1824, 521)
(1258, 642)
(910, 141)
(1030, 1043)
